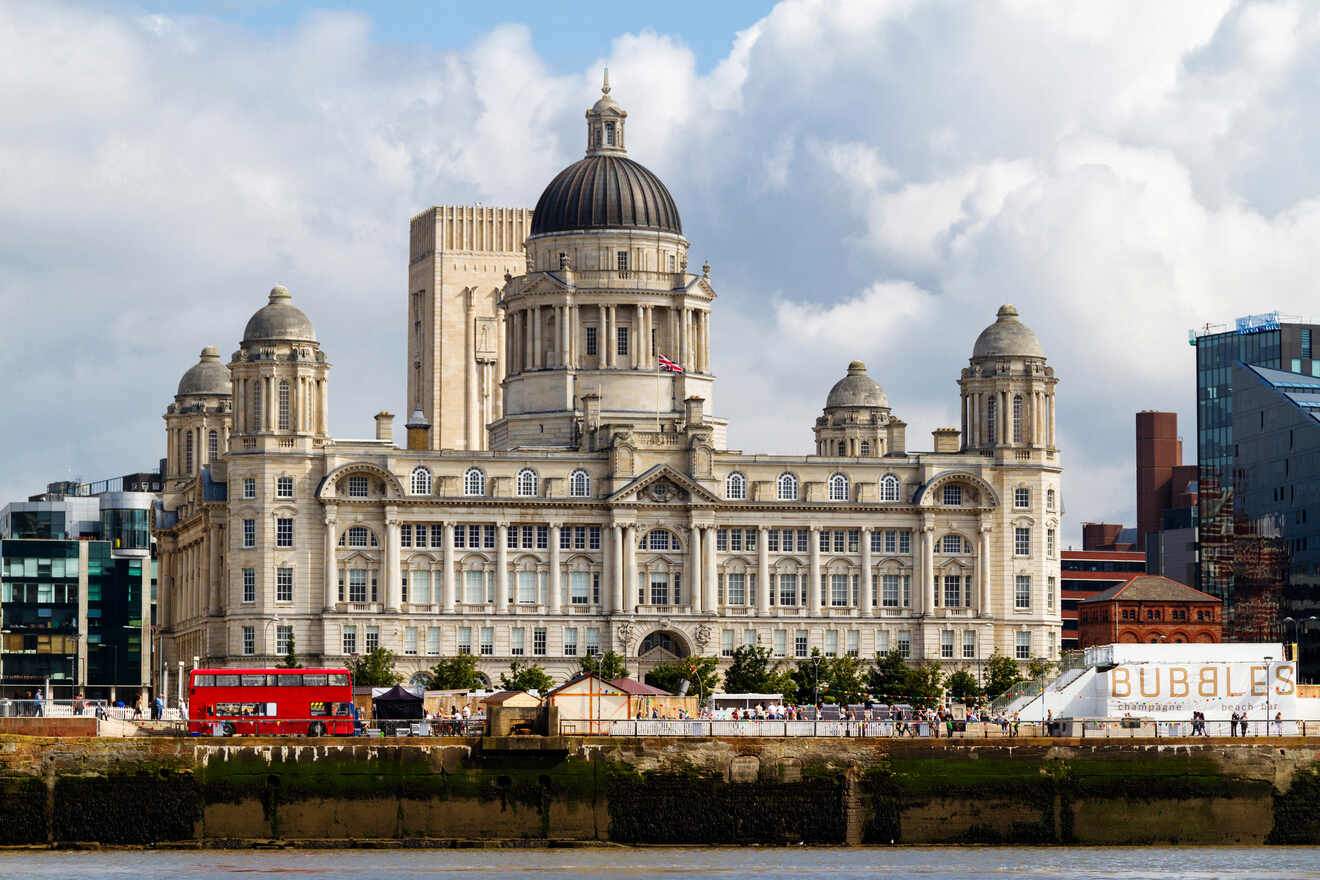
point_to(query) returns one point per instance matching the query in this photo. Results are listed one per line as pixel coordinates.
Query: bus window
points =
(289, 679)
(203, 681)
(339, 678)
(253, 680)
(226, 681)
(241, 709)
(318, 708)
(316, 680)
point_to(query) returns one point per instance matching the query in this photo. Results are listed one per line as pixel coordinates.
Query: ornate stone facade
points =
(608, 513)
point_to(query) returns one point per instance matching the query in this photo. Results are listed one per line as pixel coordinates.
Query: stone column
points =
(393, 576)
(322, 408)
(538, 355)
(813, 573)
(449, 579)
(331, 567)
(502, 568)
(762, 572)
(710, 592)
(864, 583)
(555, 573)
(983, 569)
(629, 559)
(927, 568)
(616, 586)
(1049, 400)
(694, 569)
(680, 325)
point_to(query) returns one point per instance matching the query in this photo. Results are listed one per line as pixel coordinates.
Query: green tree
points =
(455, 674)
(290, 656)
(753, 672)
(699, 671)
(1001, 673)
(609, 667)
(375, 669)
(1038, 666)
(811, 679)
(846, 685)
(526, 677)
(924, 686)
(887, 680)
(962, 686)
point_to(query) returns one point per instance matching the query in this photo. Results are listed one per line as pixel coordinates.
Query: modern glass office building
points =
(77, 596)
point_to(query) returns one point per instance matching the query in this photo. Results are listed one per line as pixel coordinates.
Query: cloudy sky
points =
(868, 180)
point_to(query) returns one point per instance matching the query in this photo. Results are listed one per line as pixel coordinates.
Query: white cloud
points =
(869, 180)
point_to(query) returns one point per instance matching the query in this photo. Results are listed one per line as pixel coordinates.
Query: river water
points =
(935, 863)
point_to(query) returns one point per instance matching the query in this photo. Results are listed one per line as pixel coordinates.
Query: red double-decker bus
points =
(271, 702)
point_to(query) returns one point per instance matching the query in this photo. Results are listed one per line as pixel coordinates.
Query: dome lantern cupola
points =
(605, 124)
(1008, 392)
(857, 422)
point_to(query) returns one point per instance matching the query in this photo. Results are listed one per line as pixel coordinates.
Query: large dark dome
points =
(605, 192)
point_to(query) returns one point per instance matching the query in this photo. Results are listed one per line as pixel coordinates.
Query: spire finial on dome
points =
(605, 87)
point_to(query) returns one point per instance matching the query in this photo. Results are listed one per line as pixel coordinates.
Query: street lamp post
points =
(1268, 658)
(815, 686)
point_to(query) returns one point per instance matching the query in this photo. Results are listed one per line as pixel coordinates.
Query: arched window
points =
(735, 486)
(838, 488)
(1017, 418)
(659, 539)
(1049, 499)
(283, 404)
(526, 483)
(213, 446)
(579, 484)
(187, 452)
(256, 406)
(788, 487)
(474, 482)
(357, 536)
(889, 488)
(991, 410)
(421, 481)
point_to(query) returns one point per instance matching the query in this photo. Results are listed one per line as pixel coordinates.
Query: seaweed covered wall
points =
(655, 791)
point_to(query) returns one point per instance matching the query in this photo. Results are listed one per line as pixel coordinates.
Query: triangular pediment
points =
(541, 282)
(664, 485)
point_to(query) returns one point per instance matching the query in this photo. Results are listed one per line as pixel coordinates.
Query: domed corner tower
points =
(1008, 391)
(857, 421)
(606, 306)
(198, 422)
(280, 381)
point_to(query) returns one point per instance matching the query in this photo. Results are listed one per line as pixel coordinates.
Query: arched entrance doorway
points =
(661, 646)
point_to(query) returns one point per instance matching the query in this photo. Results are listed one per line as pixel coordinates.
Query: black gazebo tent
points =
(397, 704)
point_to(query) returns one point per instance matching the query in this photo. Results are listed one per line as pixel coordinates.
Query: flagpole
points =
(659, 382)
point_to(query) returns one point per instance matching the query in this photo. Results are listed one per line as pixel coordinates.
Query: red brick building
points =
(1149, 608)
(1083, 573)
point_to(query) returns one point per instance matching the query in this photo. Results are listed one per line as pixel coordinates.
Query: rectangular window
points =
(772, 541)
(736, 589)
(831, 643)
(904, 542)
(1306, 342)
(969, 644)
(952, 495)
(946, 643)
(1049, 543)
(419, 583)
(284, 487)
(735, 540)
(474, 587)
(579, 582)
(622, 341)
(838, 541)
(437, 534)
(1296, 365)
(249, 488)
(465, 640)
(803, 541)
(726, 643)
(373, 638)
(1021, 498)
(410, 640)
(538, 641)
(788, 589)
(357, 487)
(891, 541)
(904, 643)
(952, 592)
(433, 640)
(1022, 646)
(249, 585)
(889, 594)
(854, 642)
(488, 537)
(722, 540)
(284, 532)
(800, 643)
(591, 341)
(854, 540)
(1022, 542)
(593, 538)
(1022, 592)
(882, 642)
(839, 590)
(593, 640)
(517, 640)
(249, 640)
(487, 641)
(405, 535)
(779, 641)
(283, 585)
(350, 640)
(659, 588)
(357, 585)
(249, 534)
(750, 538)
(526, 588)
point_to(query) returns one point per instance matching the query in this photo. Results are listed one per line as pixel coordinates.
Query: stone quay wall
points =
(548, 790)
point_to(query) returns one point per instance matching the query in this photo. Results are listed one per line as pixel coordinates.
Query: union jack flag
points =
(667, 364)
